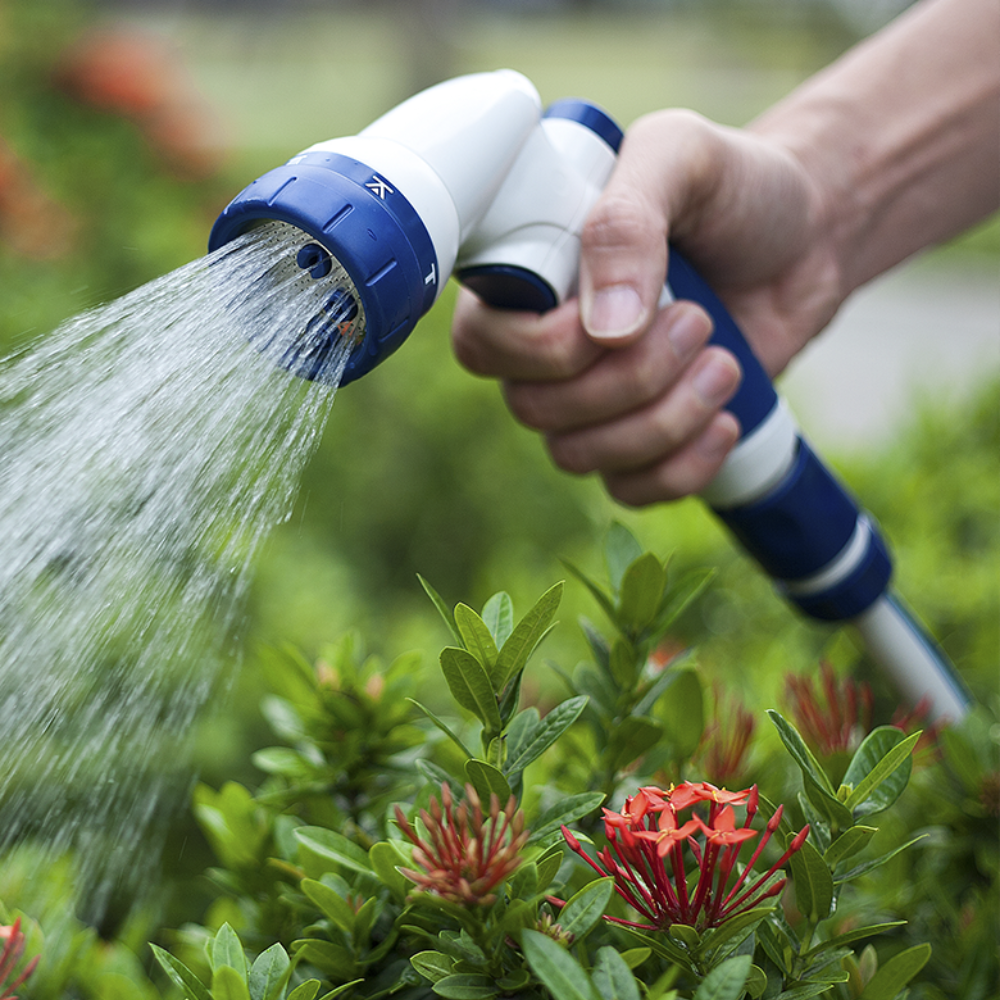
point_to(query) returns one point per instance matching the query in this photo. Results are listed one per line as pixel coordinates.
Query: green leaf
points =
(437, 775)
(559, 972)
(630, 740)
(307, 991)
(879, 770)
(801, 754)
(385, 858)
(688, 589)
(326, 956)
(634, 957)
(470, 686)
(487, 780)
(522, 730)
(725, 981)
(849, 843)
(498, 613)
(866, 867)
(523, 884)
(368, 913)
(228, 951)
(433, 965)
(230, 821)
(340, 989)
(687, 935)
(813, 883)
(333, 847)
(496, 752)
(640, 593)
(526, 636)
(228, 984)
(548, 867)
(961, 758)
(624, 663)
(599, 594)
(442, 726)
(284, 760)
(621, 549)
(443, 610)
(891, 977)
(511, 697)
(817, 785)
(464, 986)
(612, 977)
(564, 812)
(853, 935)
(330, 903)
(804, 992)
(547, 732)
(658, 687)
(662, 945)
(180, 975)
(476, 636)
(756, 982)
(741, 924)
(514, 983)
(597, 685)
(269, 973)
(683, 713)
(585, 908)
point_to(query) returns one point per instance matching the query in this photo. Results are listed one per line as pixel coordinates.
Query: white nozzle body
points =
(449, 149)
(537, 215)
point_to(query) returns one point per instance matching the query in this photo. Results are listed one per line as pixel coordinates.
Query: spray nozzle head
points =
(355, 234)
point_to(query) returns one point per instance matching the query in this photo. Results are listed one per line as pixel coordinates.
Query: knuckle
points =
(667, 428)
(567, 456)
(527, 404)
(618, 221)
(469, 352)
(647, 375)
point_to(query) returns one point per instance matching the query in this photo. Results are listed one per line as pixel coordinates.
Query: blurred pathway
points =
(927, 331)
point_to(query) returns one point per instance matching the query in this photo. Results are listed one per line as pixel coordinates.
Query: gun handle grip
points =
(755, 398)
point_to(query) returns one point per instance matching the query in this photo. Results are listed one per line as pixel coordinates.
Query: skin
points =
(892, 148)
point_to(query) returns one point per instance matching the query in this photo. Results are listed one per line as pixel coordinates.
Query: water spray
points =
(473, 178)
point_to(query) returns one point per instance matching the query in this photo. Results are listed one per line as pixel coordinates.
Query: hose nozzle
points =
(471, 177)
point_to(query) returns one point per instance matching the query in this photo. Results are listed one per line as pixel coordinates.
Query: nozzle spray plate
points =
(308, 313)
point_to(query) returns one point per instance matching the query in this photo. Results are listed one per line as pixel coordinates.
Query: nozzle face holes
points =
(310, 316)
(315, 259)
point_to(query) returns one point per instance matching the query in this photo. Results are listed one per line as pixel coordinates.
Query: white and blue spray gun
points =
(471, 178)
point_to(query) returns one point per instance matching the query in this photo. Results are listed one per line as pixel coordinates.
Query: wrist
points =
(898, 138)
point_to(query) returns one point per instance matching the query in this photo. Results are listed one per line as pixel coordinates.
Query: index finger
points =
(521, 346)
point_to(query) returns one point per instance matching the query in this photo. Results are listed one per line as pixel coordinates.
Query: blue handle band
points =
(755, 398)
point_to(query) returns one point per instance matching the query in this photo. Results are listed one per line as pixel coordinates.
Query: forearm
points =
(901, 136)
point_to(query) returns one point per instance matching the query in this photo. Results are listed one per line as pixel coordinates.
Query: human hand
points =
(629, 391)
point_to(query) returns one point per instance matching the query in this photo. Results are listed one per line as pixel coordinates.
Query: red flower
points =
(9, 957)
(649, 848)
(669, 832)
(834, 715)
(467, 854)
(726, 739)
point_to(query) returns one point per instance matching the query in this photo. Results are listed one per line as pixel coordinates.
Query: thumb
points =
(623, 259)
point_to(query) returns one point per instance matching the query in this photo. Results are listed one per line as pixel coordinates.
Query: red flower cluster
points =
(466, 854)
(722, 752)
(650, 845)
(13, 939)
(833, 715)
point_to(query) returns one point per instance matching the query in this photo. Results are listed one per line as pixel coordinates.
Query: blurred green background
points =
(420, 469)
